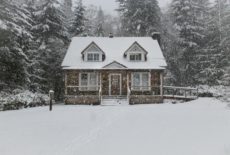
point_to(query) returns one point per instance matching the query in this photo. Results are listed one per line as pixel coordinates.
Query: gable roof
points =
(114, 65)
(92, 44)
(114, 49)
(133, 45)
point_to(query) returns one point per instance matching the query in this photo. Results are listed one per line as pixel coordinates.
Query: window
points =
(88, 81)
(141, 81)
(93, 57)
(135, 57)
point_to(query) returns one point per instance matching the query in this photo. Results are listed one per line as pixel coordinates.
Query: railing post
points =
(161, 86)
(197, 93)
(65, 82)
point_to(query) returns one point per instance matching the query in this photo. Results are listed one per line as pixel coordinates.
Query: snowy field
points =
(199, 127)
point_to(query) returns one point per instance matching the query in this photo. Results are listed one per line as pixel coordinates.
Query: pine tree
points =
(51, 40)
(78, 24)
(14, 44)
(139, 17)
(215, 59)
(171, 49)
(225, 42)
(190, 29)
(100, 23)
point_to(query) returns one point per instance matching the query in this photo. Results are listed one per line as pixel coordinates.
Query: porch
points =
(139, 87)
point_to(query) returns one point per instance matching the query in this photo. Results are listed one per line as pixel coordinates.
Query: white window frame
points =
(110, 82)
(88, 87)
(141, 88)
(94, 56)
(136, 55)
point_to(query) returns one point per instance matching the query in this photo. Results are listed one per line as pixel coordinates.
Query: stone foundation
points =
(82, 100)
(145, 99)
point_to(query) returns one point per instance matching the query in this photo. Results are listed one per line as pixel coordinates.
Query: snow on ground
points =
(200, 127)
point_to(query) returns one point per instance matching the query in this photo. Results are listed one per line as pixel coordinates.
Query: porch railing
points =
(128, 93)
(168, 91)
(183, 92)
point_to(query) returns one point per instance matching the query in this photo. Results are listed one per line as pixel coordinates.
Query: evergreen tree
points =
(139, 17)
(191, 34)
(225, 42)
(14, 44)
(78, 24)
(51, 40)
(100, 23)
(210, 57)
(171, 49)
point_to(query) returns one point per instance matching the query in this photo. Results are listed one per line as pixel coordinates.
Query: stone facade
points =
(75, 96)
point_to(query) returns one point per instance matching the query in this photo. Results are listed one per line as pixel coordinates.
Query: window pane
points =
(93, 81)
(135, 57)
(138, 57)
(145, 81)
(90, 57)
(132, 57)
(96, 57)
(84, 81)
(136, 81)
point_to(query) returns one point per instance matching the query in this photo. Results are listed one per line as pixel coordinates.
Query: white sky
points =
(110, 5)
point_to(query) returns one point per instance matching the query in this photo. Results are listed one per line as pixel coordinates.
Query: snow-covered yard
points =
(200, 127)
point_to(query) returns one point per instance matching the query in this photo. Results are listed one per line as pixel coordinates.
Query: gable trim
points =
(116, 63)
(133, 45)
(92, 43)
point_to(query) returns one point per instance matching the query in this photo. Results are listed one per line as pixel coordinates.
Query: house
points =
(109, 67)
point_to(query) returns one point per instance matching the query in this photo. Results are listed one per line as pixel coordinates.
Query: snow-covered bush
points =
(221, 92)
(21, 99)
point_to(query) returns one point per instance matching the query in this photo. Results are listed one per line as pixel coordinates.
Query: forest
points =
(35, 35)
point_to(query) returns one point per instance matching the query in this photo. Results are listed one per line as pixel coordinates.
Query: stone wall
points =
(83, 100)
(145, 99)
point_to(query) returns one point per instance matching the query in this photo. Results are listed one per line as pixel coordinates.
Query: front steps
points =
(114, 100)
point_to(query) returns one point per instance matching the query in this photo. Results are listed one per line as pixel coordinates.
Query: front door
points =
(115, 84)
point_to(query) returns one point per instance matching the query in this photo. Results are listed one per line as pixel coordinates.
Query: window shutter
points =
(103, 57)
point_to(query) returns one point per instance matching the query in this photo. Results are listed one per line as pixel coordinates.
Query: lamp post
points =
(51, 95)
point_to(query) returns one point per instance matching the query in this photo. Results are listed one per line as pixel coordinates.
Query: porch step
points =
(114, 97)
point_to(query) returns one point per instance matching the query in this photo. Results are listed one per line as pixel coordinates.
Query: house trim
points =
(135, 43)
(92, 43)
(111, 81)
(88, 82)
(85, 53)
(149, 81)
(116, 63)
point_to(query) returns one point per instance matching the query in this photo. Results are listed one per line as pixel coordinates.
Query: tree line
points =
(34, 37)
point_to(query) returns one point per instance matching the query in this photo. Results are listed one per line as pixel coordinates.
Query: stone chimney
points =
(157, 36)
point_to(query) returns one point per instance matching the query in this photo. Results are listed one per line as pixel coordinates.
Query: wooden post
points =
(51, 95)
(197, 92)
(161, 86)
(65, 82)
(127, 81)
(100, 82)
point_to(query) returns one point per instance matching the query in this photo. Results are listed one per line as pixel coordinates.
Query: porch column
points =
(127, 82)
(100, 81)
(65, 76)
(162, 82)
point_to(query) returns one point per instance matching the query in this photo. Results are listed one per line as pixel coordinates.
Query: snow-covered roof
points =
(114, 49)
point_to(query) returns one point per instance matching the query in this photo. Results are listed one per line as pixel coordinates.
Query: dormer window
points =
(93, 57)
(93, 53)
(136, 53)
(135, 57)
